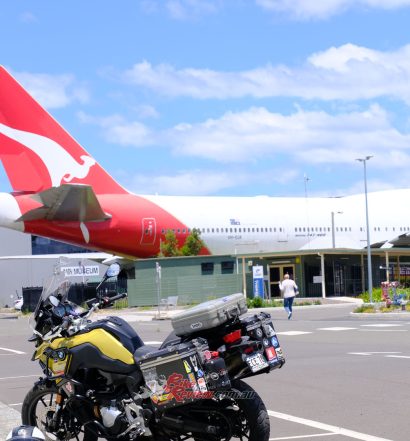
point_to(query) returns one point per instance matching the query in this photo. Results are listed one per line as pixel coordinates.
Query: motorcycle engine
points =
(129, 421)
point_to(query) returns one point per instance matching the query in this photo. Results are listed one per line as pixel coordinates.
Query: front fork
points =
(54, 422)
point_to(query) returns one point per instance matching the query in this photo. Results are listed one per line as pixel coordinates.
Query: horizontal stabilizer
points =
(69, 203)
(401, 241)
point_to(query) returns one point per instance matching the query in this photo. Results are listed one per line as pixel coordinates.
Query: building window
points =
(227, 267)
(207, 267)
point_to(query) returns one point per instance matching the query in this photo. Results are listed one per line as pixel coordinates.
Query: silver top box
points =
(209, 314)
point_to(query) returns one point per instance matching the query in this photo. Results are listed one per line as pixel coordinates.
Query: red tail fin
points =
(37, 152)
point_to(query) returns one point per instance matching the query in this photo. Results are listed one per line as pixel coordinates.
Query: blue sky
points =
(223, 97)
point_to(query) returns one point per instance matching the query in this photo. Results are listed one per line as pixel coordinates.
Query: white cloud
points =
(147, 111)
(204, 182)
(192, 182)
(348, 72)
(118, 131)
(28, 17)
(322, 9)
(308, 137)
(182, 9)
(53, 91)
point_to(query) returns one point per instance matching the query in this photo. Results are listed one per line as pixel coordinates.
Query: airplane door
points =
(149, 231)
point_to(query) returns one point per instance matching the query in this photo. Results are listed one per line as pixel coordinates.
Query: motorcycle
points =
(101, 381)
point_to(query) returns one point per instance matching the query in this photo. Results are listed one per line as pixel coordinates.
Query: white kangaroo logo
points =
(60, 164)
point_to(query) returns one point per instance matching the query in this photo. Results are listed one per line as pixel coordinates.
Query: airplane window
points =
(257, 230)
(274, 230)
(386, 229)
(253, 230)
(179, 230)
(345, 228)
(213, 230)
(207, 230)
(350, 228)
(163, 231)
(280, 229)
(296, 229)
(240, 230)
(173, 230)
(234, 230)
(394, 228)
(320, 228)
(230, 230)
(337, 229)
(304, 229)
(249, 230)
(217, 230)
(270, 230)
(328, 228)
(189, 230)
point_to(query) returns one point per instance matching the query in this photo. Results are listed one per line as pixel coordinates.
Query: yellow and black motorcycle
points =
(101, 382)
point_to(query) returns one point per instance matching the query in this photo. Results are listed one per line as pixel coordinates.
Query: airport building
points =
(27, 261)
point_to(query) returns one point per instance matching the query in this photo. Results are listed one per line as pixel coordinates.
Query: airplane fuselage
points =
(228, 225)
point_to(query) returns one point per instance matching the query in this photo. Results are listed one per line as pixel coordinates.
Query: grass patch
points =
(258, 302)
(367, 309)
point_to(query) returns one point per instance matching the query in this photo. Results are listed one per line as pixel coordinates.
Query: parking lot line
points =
(12, 350)
(302, 436)
(398, 356)
(329, 428)
(20, 376)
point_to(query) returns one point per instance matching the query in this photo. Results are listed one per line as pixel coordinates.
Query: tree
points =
(192, 246)
(193, 243)
(169, 248)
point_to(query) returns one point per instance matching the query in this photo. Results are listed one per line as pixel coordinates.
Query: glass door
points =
(276, 274)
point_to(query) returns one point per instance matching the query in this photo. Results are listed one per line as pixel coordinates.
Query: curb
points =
(9, 418)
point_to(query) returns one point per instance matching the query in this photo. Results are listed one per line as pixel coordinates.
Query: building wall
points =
(16, 273)
(188, 278)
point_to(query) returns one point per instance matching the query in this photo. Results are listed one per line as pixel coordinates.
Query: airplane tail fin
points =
(37, 153)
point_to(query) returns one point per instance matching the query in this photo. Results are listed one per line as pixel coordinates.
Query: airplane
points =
(62, 193)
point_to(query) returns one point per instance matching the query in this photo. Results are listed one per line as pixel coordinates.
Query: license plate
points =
(256, 362)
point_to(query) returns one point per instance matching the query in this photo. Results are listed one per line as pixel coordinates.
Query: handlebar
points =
(107, 301)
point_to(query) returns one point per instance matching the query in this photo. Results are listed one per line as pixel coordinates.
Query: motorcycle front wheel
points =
(38, 409)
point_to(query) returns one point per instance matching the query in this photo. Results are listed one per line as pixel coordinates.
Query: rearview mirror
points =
(54, 300)
(113, 270)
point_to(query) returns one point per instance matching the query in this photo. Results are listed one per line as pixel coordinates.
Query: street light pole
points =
(369, 255)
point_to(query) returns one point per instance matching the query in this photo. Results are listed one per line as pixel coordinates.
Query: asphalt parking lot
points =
(345, 377)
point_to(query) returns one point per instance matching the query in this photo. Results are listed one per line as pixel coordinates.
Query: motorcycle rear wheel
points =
(39, 407)
(244, 419)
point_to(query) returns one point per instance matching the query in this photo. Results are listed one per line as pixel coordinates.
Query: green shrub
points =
(258, 302)
(377, 294)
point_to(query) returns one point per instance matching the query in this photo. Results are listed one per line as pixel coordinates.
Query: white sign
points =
(317, 279)
(80, 271)
(257, 272)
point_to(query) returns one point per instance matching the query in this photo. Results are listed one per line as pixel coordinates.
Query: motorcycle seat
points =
(142, 351)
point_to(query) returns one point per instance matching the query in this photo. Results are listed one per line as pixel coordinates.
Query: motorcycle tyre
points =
(255, 412)
(31, 400)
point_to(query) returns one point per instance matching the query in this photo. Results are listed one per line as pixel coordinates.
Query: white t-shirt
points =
(288, 288)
